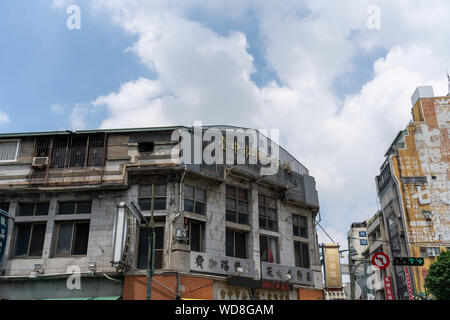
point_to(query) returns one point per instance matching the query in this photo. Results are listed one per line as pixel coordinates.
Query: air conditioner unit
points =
(431, 253)
(40, 161)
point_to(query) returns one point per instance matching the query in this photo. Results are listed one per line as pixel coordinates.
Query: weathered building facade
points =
(414, 189)
(222, 231)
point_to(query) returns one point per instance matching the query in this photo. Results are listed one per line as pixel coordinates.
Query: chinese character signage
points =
(209, 263)
(408, 283)
(389, 293)
(3, 232)
(362, 234)
(332, 266)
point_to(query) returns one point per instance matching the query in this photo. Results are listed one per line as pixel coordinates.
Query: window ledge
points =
(71, 217)
(237, 226)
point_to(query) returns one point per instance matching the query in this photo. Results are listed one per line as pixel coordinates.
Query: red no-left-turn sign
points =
(380, 260)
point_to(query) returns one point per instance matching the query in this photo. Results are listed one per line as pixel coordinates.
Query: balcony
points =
(222, 265)
(277, 272)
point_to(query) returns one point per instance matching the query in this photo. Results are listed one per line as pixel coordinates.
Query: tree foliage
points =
(438, 278)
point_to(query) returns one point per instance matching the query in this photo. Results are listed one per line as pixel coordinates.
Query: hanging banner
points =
(3, 231)
(332, 264)
(389, 293)
(408, 283)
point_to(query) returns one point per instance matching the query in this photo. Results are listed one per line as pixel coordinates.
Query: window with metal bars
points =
(72, 151)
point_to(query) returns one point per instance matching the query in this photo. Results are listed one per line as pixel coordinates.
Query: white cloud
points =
(203, 75)
(78, 115)
(4, 118)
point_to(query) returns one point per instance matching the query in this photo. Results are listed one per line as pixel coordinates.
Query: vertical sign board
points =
(408, 283)
(388, 292)
(332, 266)
(120, 229)
(3, 231)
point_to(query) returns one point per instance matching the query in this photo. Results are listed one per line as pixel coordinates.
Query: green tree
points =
(438, 278)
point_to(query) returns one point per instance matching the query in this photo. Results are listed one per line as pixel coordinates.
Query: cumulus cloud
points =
(205, 75)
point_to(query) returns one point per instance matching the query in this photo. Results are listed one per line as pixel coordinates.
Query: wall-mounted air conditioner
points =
(40, 161)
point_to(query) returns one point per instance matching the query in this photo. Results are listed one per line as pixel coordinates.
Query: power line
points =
(325, 232)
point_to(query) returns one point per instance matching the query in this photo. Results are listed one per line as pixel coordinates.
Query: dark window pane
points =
(146, 146)
(229, 243)
(297, 254)
(26, 209)
(42, 209)
(143, 249)
(261, 200)
(145, 204)
(305, 255)
(160, 204)
(272, 225)
(67, 208)
(262, 223)
(295, 230)
(242, 194)
(200, 208)
(304, 232)
(271, 203)
(22, 240)
(188, 205)
(243, 206)
(189, 192)
(271, 214)
(64, 239)
(241, 245)
(81, 238)
(231, 191)
(200, 195)
(84, 207)
(159, 190)
(263, 248)
(230, 216)
(159, 237)
(158, 259)
(37, 240)
(230, 204)
(243, 218)
(195, 237)
(261, 211)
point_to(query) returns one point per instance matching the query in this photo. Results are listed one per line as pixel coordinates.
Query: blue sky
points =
(337, 89)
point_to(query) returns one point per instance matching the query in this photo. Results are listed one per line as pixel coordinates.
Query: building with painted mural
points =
(223, 231)
(414, 190)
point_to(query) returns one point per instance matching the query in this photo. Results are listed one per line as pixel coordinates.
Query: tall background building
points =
(414, 190)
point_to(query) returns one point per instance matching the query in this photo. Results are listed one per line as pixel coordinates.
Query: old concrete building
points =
(378, 242)
(413, 188)
(223, 231)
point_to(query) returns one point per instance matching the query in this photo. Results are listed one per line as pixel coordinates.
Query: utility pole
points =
(350, 269)
(151, 250)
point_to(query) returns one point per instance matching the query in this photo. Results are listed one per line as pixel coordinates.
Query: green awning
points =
(88, 298)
